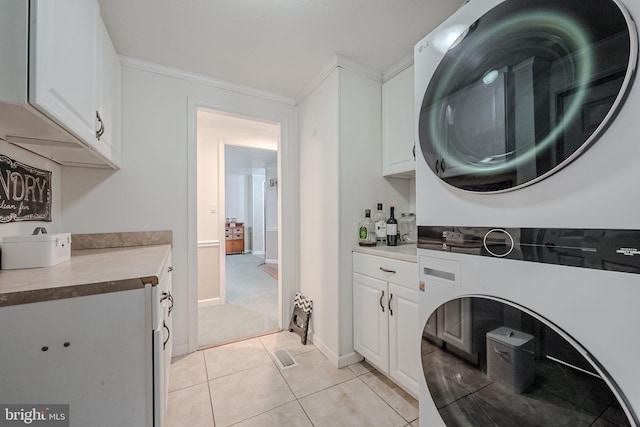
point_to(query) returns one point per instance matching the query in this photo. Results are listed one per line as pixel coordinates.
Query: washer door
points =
(524, 90)
(488, 362)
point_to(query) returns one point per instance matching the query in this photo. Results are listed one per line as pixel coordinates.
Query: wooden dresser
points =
(234, 238)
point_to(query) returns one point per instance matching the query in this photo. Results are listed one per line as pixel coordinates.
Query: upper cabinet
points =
(69, 78)
(398, 136)
(109, 99)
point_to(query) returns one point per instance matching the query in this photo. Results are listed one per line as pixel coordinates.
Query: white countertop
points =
(407, 252)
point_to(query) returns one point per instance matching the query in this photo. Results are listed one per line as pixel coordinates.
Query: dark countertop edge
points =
(121, 239)
(40, 295)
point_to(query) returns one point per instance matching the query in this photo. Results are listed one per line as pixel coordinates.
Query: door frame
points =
(222, 143)
(288, 250)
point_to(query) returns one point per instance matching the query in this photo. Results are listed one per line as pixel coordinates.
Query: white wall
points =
(208, 222)
(319, 210)
(271, 215)
(258, 231)
(155, 188)
(340, 175)
(26, 227)
(237, 197)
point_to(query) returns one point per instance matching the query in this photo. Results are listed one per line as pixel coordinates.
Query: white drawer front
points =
(390, 270)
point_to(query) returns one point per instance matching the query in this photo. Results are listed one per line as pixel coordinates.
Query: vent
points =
(284, 359)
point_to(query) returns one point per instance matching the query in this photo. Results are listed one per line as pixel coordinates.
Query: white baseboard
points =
(179, 350)
(271, 261)
(338, 361)
(209, 302)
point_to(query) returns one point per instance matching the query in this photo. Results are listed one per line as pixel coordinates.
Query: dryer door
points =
(524, 90)
(514, 368)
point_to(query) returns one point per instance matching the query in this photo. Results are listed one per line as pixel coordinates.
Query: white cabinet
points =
(398, 136)
(64, 63)
(109, 99)
(162, 342)
(89, 352)
(370, 320)
(60, 90)
(386, 326)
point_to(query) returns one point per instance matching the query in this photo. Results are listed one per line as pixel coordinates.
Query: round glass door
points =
(492, 363)
(524, 90)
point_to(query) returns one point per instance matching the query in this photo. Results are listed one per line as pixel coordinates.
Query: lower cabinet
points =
(385, 310)
(90, 352)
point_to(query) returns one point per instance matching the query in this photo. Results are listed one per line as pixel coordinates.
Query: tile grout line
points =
(288, 385)
(206, 371)
(382, 397)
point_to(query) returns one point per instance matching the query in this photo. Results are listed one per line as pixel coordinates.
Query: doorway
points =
(237, 228)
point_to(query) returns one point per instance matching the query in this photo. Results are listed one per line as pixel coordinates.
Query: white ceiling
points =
(243, 159)
(277, 46)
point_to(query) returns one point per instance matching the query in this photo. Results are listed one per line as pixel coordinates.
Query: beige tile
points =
(187, 370)
(416, 423)
(360, 368)
(314, 373)
(245, 394)
(287, 340)
(288, 415)
(190, 407)
(401, 401)
(350, 404)
(236, 357)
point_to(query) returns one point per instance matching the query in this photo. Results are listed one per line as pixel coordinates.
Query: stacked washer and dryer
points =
(528, 214)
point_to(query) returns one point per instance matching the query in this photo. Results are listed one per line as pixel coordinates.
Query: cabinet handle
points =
(389, 304)
(437, 165)
(382, 306)
(414, 150)
(388, 271)
(165, 296)
(100, 131)
(170, 269)
(164, 344)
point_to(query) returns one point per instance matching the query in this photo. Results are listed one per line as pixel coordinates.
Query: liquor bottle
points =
(366, 230)
(380, 223)
(392, 229)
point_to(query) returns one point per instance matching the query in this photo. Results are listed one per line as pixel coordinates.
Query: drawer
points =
(228, 236)
(237, 236)
(238, 230)
(403, 273)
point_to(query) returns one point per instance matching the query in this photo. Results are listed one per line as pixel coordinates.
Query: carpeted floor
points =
(251, 308)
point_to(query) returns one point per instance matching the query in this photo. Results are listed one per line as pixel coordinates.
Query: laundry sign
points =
(25, 192)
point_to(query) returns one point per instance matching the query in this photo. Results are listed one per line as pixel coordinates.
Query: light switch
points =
(212, 208)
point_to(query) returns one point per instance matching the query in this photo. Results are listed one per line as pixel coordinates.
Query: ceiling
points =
(277, 46)
(245, 158)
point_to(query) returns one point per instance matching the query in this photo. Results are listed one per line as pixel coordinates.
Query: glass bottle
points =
(366, 230)
(380, 222)
(412, 236)
(392, 229)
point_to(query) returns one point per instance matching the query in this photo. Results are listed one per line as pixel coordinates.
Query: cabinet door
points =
(404, 337)
(109, 101)
(370, 324)
(88, 352)
(63, 63)
(398, 136)
(454, 323)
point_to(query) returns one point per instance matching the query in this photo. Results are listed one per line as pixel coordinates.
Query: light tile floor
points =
(239, 384)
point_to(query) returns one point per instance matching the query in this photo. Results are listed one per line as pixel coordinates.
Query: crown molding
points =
(202, 79)
(338, 61)
(398, 67)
